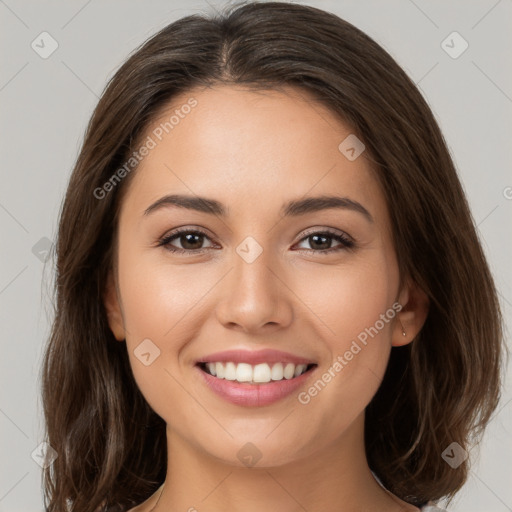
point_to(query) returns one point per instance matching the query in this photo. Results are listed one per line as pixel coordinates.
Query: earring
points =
(403, 332)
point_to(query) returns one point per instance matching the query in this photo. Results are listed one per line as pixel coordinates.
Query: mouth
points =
(257, 374)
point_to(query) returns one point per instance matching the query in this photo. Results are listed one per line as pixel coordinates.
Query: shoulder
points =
(430, 507)
(117, 508)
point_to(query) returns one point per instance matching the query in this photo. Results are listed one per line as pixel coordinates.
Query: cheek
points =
(158, 297)
(354, 307)
(349, 299)
(159, 302)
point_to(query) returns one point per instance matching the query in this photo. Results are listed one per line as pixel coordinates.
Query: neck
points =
(335, 478)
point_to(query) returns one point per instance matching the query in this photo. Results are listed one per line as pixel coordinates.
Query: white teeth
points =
(277, 371)
(230, 371)
(259, 373)
(289, 370)
(219, 370)
(298, 370)
(243, 372)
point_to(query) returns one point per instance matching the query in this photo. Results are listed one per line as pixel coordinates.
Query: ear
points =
(415, 305)
(113, 308)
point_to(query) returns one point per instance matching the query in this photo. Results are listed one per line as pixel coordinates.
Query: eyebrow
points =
(293, 208)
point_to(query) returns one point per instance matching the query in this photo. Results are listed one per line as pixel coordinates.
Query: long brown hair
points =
(439, 389)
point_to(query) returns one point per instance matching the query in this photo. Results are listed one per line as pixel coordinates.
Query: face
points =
(247, 273)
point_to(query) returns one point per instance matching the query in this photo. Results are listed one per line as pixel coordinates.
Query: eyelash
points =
(346, 243)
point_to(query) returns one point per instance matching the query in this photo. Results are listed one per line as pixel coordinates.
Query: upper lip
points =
(254, 357)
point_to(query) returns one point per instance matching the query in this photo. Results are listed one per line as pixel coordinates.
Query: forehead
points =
(245, 146)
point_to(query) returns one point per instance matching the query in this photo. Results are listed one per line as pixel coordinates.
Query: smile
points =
(255, 374)
(256, 385)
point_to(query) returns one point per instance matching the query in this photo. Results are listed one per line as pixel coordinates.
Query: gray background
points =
(46, 104)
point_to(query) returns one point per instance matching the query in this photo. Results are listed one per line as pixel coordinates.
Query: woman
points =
(270, 292)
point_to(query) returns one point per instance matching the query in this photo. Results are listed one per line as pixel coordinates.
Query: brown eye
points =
(190, 241)
(321, 241)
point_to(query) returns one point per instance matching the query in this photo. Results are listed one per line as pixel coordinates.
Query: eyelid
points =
(347, 242)
(325, 230)
(175, 234)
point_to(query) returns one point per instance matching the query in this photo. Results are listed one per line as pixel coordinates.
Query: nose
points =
(255, 296)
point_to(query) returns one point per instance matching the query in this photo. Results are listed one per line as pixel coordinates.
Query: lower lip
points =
(254, 395)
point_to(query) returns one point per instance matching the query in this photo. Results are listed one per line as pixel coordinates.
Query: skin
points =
(253, 151)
